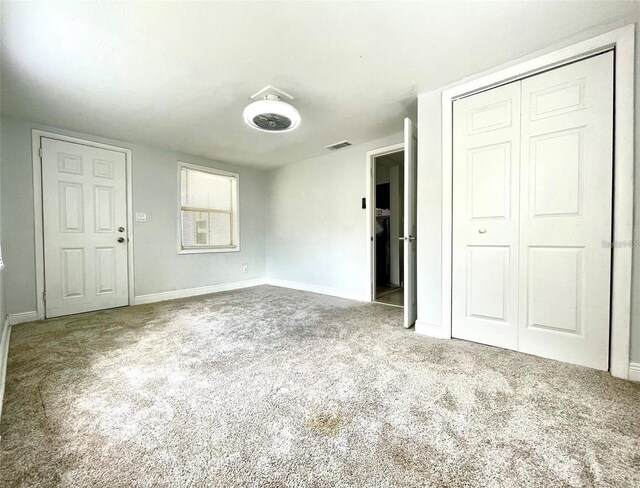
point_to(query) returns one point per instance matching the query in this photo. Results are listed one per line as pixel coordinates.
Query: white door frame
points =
(622, 40)
(371, 214)
(36, 134)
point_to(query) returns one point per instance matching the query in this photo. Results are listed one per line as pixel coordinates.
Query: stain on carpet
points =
(325, 422)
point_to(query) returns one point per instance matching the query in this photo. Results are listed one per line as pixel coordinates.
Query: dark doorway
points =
(389, 205)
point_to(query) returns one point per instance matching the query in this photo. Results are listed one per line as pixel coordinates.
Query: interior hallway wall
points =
(158, 266)
(430, 197)
(316, 227)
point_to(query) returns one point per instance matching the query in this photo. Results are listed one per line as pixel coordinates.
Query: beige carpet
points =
(274, 387)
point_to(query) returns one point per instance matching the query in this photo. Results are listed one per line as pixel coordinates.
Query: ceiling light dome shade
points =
(271, 115)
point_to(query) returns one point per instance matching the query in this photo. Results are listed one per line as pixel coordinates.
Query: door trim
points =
(622, 40)
(371, 215)
(36, 135)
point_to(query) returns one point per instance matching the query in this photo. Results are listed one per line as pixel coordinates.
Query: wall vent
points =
(338, 145)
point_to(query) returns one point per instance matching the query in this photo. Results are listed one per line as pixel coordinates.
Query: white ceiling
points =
(177, 75)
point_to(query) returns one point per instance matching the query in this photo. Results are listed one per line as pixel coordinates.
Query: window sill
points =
(207, 250)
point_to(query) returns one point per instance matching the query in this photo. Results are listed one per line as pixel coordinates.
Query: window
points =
(208, 210)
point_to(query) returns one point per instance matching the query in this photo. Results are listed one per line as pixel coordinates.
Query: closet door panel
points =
(566, 212)
(485, 216)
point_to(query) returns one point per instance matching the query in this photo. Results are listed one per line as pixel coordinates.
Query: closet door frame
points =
(622, 42)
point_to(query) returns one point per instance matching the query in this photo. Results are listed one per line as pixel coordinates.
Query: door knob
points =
(120, 239)
(120, 229)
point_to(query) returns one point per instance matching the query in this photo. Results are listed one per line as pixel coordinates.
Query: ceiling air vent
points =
(338, 145)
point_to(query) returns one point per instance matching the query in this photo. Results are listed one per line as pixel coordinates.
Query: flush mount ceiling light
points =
(269, 113)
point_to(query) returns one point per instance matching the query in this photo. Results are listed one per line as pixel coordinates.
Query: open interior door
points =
(410, 166)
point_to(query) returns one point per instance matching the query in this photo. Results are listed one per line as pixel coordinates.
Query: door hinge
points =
(40, 152)
(44, 296)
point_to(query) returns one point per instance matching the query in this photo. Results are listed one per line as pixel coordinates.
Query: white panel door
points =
(410, 222)
(486, 154)
(565, 212)
(85, 235)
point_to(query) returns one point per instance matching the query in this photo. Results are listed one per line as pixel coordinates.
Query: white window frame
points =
(212, 249)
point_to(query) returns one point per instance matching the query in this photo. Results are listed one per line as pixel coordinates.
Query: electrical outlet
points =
(245, 268)
(141, 217)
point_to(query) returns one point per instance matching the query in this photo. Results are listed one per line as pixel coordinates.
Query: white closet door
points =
(485, 216)
(565, 212)
(84, 217)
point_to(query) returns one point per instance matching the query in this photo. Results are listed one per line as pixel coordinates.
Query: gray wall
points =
(3, 308)
(4, 326)
(316, 227)
(430, 199)
(158, 267)
(429, 212)
(635, 287)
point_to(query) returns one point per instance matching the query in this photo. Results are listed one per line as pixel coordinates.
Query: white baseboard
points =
(322, 290)
(18, 318)
(634, 371)
(5, 336)
(425, 328)
(192, 292)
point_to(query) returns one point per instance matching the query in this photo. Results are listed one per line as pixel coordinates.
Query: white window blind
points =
(208, 209)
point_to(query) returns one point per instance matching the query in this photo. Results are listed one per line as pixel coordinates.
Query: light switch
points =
(141, 217)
